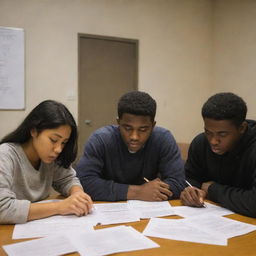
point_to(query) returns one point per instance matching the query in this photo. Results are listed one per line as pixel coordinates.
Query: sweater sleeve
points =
(194, 166)
(90, 172)
(241, 198)
(64, 179)
(238, 199)
(12, 210)
(171, 166)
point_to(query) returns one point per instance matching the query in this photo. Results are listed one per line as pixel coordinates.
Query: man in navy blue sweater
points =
(221, 163)
(133, 160)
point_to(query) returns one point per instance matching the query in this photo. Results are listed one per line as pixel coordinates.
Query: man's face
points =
(135, 130)
(222, 135)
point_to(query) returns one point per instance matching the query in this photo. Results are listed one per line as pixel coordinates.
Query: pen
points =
(188, 183)
(145, 179)
(201, 201)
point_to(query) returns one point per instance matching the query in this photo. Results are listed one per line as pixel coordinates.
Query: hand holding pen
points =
(154, 190)
(193, 196)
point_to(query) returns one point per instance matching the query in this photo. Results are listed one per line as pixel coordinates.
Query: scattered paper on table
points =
(188, 211)
(50, 246)
(110, 240)
(148, 210)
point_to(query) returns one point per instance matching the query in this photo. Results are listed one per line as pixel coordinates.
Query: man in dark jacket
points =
(221, 163)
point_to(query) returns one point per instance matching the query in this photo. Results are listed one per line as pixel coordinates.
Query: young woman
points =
(36, 156)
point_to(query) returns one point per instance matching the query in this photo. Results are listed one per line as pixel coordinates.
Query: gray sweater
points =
(21, 183)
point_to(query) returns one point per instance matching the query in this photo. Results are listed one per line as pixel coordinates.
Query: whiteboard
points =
(12, 61)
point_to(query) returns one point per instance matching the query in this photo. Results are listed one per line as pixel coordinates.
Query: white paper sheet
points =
(45, 227)
(92, 218)
(106, 218)
(187, 211)
(147, 209)
(110, 240)
(106, 207)
(115, 213)
(180, 230)
(220, 226)
(50, 246)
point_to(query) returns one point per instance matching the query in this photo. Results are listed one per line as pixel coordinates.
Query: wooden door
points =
(108, 68)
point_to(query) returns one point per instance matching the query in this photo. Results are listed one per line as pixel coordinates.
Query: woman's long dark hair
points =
(48, 114)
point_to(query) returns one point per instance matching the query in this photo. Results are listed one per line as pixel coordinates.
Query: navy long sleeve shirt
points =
(107, 168)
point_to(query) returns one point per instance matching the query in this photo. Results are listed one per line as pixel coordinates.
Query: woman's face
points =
(48, 144)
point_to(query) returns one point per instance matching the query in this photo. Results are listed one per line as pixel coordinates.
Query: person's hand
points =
(155, 190)
(193, 196)
(78, 203)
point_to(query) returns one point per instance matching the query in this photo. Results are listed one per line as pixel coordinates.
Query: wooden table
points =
(244, 245)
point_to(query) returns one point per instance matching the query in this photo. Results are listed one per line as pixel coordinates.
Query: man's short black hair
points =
(137, 103)
(225, 106)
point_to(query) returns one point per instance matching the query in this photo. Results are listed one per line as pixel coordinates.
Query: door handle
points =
(88, 122)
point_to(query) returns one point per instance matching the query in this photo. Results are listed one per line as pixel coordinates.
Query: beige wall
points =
(188, 49)
(235, 49)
